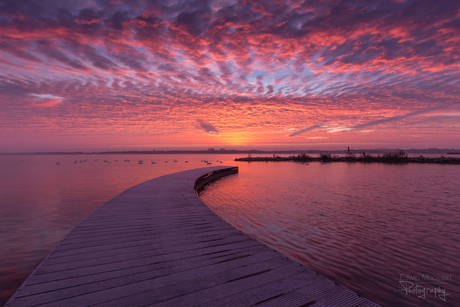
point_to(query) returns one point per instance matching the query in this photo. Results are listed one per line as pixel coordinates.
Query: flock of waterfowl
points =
(153, 162)
(138, 162)
(166, 161)
(207, 162)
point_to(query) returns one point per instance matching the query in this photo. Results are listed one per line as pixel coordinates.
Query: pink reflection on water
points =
(40, 201)
(361, 225)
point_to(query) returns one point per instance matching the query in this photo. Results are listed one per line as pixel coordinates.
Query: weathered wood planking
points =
(158, 244)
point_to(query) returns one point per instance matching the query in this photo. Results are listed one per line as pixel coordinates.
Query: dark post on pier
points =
(158, 244)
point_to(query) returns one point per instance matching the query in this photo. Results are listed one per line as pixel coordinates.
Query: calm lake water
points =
(366, 226)
(374, 228)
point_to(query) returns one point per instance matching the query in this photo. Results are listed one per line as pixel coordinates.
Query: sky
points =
(144, 74)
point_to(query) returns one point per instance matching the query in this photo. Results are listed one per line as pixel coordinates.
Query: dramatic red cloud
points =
(145, 74)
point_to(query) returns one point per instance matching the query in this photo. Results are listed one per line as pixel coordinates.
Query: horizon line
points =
(230, 151)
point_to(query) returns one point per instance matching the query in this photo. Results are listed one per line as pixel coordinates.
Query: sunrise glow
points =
(103, 75)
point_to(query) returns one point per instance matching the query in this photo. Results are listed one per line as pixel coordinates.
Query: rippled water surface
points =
(362, 225)
(40, 201)
(366, 226)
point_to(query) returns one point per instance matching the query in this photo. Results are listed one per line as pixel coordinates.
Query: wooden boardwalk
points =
(157, 244)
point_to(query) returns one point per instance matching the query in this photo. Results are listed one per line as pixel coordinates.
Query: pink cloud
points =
(290, 62)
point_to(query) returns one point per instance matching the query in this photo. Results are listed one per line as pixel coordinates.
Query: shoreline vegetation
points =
(396, 157)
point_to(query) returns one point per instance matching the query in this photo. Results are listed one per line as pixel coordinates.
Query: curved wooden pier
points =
(158, 244)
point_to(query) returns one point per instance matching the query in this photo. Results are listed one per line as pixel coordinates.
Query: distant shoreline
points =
(448, 151)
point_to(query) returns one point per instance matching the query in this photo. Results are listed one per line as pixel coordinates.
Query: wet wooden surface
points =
(158, 244)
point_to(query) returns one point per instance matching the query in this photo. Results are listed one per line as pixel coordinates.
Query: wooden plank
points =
(157, 244)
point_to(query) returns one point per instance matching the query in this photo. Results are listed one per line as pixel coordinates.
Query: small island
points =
(398, 157)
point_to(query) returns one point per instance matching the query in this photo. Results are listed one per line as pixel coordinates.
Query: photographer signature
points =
(411, 288)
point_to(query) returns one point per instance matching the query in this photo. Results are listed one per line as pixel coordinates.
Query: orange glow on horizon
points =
(240, 74)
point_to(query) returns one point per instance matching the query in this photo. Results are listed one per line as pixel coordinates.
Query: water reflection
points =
(41, 201)
(362, 225)
(359, 224)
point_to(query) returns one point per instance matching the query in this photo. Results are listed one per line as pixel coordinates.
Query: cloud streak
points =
(305, 130)
(395, 118)
(208, 128)
(368, 124)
